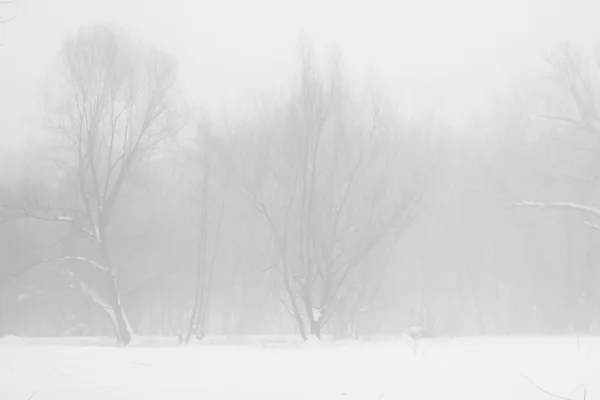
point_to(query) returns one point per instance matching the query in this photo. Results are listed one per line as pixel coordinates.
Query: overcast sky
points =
(227, 47)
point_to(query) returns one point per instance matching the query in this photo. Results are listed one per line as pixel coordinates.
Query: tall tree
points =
(334, 181)
(574, 116)
(111, 106)
(211, 170)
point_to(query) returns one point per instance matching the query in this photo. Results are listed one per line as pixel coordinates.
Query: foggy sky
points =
(226, 48)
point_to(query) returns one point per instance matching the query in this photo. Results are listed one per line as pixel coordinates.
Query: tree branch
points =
(558, 205)
(543, 390)
(67, 258)
(5, 20)
(592, 225)
(59, 218)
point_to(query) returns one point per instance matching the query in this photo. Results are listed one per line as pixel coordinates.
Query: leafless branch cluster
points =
(333, 184)
(113, 106)
(571, 72)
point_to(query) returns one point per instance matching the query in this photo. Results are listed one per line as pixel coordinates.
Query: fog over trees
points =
(331, 205)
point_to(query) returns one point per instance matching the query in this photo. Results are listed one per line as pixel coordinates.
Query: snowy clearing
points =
(468, 368)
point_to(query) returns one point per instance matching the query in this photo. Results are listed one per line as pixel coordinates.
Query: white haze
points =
(459, 51)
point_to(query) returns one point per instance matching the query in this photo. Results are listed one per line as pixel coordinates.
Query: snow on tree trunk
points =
(119, 319)
(121, 323)
(116, 105)
(110, 302)
(315, 323)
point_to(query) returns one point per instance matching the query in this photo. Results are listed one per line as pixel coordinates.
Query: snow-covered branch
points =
(5, 20)
(66, 258)
(55, 218)
(559, 205)
(592, 225)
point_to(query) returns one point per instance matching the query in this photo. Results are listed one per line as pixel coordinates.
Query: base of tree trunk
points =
(110, 302)
(120, 324)
(124, 332)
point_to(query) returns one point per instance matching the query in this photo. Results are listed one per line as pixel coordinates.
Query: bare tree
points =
(334, 184)
(572, 76)
(578, 119)
(209, 164)
(111, 107)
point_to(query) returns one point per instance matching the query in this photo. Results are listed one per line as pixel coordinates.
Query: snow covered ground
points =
(465, 369)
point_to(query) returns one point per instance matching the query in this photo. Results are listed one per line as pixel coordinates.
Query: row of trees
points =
(334, 180)
(134, 206)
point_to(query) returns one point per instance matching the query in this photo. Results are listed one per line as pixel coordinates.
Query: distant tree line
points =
(316, 214)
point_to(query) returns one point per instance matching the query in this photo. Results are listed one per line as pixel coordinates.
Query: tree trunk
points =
(116, 312)
(1, 313)
(2, 294)
(300, 326)
(295, 308)
(201, 261)
(201, 315)
(226, 312)
(296, 313)
(315, 329)
(475, 297)
(314, 324)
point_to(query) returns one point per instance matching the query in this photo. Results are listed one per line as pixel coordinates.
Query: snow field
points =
(466, 368)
